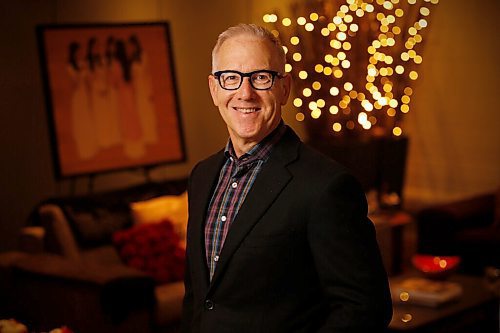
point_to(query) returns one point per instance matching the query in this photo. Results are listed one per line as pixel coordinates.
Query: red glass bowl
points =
(435, 267)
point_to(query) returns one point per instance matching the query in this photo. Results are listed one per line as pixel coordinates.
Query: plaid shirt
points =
(235, 181)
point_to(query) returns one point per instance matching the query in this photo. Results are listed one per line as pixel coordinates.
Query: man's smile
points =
(246, 109)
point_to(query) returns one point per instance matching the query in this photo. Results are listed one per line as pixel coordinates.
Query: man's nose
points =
(246, 90)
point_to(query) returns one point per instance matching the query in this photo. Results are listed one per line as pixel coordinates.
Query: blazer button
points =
(209, 305)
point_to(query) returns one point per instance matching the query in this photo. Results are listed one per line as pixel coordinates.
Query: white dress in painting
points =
(143, 87)
(106, 119)
(82, 118)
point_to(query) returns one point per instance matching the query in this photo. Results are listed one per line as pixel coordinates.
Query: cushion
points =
(152, 248)
(94, 225)
(171, 207)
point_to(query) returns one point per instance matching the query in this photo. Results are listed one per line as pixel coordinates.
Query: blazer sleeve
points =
(347, 258)
(187, 305)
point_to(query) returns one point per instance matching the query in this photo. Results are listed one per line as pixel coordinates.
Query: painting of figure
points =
(111, 96)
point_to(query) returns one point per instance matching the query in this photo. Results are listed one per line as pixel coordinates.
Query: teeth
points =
(246, 110)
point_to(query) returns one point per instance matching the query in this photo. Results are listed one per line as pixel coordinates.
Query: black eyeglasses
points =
(259, 80)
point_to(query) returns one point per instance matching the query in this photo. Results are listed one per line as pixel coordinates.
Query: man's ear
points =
(212, 85)
(286, 86)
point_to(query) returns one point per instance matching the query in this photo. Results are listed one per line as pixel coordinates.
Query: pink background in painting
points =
(153, 41)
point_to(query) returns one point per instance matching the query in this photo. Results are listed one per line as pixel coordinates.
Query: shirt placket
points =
(225, 218)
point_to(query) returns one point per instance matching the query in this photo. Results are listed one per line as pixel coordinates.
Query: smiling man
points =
(278, 237)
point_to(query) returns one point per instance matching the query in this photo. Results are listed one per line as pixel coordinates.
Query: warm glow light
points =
(297, 102)
(341, 35)
(313, 106)
(307, 92)
(348, 86)
(346, 64)
(425, 11)
(315, 114)
(335, 44)
(288, 68)
(286, 22)
(301, 20)
(334, 91)
(408, 91)
(413, 75)
(300, 116)
(318, 68)
(391, 112)
(325, 32)
(338, 73)
(400, 69)
(321, 103)
(309, 26)
(337, 127)
(405, 108)
(297, 56)
(314, 16)
(334, 109)
(303, 75)
(327, 71)
(316, 85)
(405, 99)
(406, 318)
(294, 40)
(397, 131)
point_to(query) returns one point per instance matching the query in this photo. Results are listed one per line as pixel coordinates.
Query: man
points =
(278, 238)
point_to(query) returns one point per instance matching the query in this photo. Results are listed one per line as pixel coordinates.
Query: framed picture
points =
(111, 96)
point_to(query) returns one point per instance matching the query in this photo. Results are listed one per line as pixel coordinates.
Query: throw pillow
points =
(171, 207)
(153, 249)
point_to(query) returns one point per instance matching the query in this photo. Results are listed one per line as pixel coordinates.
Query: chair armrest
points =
(59, 237)
(31, 239)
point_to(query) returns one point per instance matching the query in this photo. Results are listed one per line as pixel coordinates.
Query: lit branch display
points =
(354, 62)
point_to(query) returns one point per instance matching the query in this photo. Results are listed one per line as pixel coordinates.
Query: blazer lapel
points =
(269, 183)
(200, 199)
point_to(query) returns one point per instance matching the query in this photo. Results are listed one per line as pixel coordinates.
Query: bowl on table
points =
(435, 267)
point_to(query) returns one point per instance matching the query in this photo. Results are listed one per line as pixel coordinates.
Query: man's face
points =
(250, 114)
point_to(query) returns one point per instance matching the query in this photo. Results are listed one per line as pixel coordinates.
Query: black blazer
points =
(300, 256)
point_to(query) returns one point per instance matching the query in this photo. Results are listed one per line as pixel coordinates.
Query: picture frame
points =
(111, 96)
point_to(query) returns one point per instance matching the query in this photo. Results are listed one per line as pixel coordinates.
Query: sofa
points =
(71, 270)
(469, 228)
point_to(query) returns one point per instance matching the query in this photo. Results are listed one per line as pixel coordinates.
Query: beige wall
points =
(453, 127)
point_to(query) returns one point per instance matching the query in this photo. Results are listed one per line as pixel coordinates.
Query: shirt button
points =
(234, 185)
(216, 258)
(209, 305)
(223, 218)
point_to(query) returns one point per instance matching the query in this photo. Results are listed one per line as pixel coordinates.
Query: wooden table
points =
(476, 311)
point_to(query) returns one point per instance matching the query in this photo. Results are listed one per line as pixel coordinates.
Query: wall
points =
(453, 127)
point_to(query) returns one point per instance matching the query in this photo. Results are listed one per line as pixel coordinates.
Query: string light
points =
(367, 70)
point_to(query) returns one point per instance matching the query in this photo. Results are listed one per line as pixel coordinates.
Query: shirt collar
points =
(261, 150)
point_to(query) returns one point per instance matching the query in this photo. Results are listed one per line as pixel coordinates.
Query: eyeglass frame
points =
(274, 75)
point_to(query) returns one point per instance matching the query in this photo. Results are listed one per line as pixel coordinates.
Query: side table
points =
(476, 310)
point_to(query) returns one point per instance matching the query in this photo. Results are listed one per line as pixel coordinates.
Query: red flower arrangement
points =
(152, 248)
